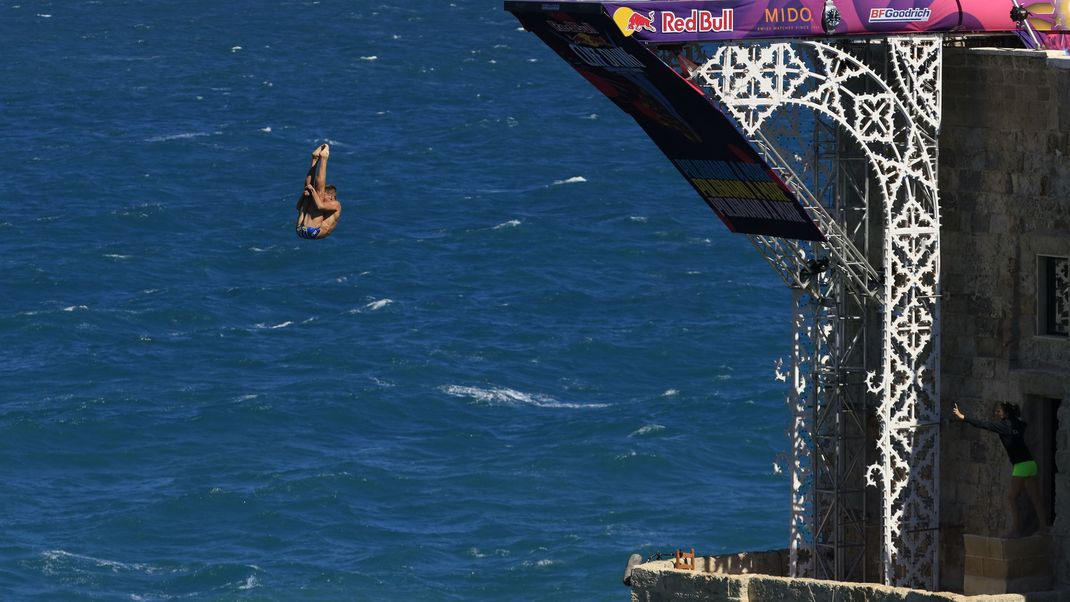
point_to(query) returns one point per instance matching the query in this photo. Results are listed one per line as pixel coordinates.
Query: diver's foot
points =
(324, 151)
(316, 152)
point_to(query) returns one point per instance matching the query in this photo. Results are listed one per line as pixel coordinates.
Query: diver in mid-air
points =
(318, 208)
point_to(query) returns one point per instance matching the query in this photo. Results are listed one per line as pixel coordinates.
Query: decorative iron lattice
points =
(1062, 296)
(800, 400)
(891, 111)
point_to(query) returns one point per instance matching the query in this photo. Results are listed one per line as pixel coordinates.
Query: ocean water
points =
(528, 351)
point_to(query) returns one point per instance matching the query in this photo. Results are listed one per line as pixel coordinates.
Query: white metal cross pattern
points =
(893, 118)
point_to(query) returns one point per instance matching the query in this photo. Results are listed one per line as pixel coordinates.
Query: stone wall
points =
(659, 582)
(1005, 199)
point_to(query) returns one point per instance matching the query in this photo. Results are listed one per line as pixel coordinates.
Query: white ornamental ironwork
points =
(1062, 296)
(892, 112)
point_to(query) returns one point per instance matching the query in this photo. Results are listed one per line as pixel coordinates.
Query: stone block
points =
(976, 545)
(1014, 568)
(995, 389)
(974, 565)
(805, 590)
(984, 367)
(1025, 547)
(995, 547)
(973, 585)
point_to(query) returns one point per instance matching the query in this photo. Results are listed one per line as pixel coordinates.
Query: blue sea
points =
(528, 351)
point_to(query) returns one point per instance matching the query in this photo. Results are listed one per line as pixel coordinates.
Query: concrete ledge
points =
(659, 582)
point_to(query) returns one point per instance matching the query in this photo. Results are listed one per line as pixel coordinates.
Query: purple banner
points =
(668, 21)
(695, 20)
(704, 146)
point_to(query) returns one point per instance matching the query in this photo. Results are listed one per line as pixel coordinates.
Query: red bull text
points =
(699, 21)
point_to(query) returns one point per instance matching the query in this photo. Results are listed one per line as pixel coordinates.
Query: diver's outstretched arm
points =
(310, 177)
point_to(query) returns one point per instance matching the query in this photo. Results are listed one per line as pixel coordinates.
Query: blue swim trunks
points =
(308, 232)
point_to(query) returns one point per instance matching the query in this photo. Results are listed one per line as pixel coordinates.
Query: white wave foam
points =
(75, 307)
(592, 116)
(182, 136)
(44, 16)
(235, 48)
(637, 218)
(509, 224)
(266, 130)
(53, 556)
(250, 583)
(572, 180)
(369, 58)
(670, 393)
(116, 256)
(648, 429)
(381, 303)
(512, 397)
(262, 325)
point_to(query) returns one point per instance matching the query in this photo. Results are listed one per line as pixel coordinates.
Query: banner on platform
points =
(680, 21)
(701, 142)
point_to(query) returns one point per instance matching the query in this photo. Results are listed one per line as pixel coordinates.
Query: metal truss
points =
(843, 124)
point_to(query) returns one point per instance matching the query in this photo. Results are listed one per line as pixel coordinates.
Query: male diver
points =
(318, 208)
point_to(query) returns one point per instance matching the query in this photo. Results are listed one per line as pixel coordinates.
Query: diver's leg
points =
(1032, 487)
(321, 179)
(1012, 506)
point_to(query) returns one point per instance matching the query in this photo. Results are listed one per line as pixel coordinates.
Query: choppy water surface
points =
(528, 351)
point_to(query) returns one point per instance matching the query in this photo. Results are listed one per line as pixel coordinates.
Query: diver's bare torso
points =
(318, 208)
(310, 216)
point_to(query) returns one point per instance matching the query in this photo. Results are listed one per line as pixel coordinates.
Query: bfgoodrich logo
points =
(898, 15)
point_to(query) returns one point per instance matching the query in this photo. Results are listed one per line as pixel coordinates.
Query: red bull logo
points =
(631, 22)
(637, 22)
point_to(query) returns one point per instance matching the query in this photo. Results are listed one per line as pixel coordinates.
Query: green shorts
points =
(1025, 469)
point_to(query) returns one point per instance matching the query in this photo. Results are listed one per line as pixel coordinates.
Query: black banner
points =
(700, 141)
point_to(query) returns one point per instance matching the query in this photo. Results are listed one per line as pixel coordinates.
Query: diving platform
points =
(812, 128)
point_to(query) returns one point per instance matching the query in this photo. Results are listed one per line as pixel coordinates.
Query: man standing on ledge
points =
(318, 208)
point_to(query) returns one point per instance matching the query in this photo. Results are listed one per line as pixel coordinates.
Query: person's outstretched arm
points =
(996, 427)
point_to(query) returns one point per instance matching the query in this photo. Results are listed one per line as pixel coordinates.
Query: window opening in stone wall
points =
(1053, 296)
